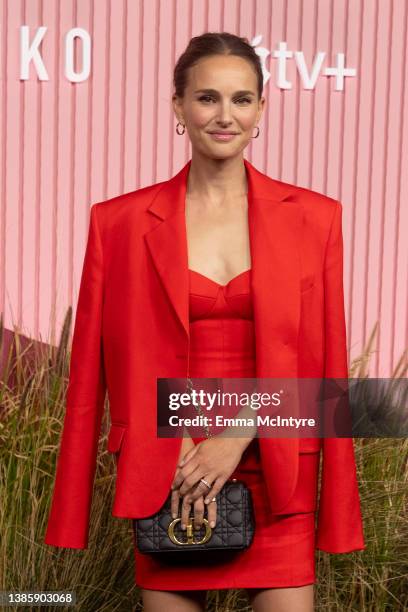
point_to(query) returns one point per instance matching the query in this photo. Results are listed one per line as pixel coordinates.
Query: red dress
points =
(222, 344)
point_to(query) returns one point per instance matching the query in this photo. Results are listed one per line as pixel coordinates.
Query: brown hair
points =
(214, 43)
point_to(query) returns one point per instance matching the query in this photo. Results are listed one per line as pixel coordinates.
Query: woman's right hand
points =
(186, 446)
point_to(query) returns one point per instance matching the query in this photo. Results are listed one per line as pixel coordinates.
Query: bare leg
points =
(176, 601)
(293, 599)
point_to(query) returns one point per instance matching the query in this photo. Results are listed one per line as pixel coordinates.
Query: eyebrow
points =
(242, 92)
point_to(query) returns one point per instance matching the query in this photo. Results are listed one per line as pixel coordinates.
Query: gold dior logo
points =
(189, 532)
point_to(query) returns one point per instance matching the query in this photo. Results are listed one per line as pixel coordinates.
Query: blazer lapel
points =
(275, 226)
(167, 242)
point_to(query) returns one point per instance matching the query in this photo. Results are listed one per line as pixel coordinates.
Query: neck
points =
(216, 180)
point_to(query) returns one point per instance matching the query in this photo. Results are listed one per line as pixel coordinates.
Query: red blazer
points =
(132, 326)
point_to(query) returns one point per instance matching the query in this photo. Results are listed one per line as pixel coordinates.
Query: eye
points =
(205, 97)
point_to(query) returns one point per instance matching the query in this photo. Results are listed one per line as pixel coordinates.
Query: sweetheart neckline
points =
(219, 284)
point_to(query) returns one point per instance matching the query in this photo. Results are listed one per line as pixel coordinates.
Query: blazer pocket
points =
(115, 437)
(307, 282)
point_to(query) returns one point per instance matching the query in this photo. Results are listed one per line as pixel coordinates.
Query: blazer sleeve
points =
(339, 527)
(68, 521)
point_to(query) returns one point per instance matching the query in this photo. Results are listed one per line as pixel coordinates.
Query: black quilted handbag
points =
(234, 528)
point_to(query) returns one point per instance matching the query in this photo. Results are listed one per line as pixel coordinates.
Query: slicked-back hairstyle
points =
(214, 43)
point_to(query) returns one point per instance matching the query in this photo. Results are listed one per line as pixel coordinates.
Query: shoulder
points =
(118, 212)
(310, 199)
(137, 200)
(318, 208)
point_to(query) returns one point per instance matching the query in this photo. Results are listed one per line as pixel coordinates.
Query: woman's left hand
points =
(213, 459)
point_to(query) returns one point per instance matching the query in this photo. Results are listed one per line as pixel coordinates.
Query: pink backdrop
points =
(65, 144)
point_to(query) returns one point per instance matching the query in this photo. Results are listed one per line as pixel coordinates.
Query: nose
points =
(225, 114)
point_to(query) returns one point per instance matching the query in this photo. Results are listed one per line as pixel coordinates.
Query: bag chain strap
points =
(190, 388)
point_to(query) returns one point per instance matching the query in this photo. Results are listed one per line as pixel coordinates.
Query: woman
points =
(219, 272)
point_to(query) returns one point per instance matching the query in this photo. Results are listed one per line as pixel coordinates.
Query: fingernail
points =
(212, 524)
(174, 515)
(183, 526)
(207, 501)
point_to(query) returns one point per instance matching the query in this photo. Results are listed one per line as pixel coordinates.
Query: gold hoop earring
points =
(184, 129)
(257, 133)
